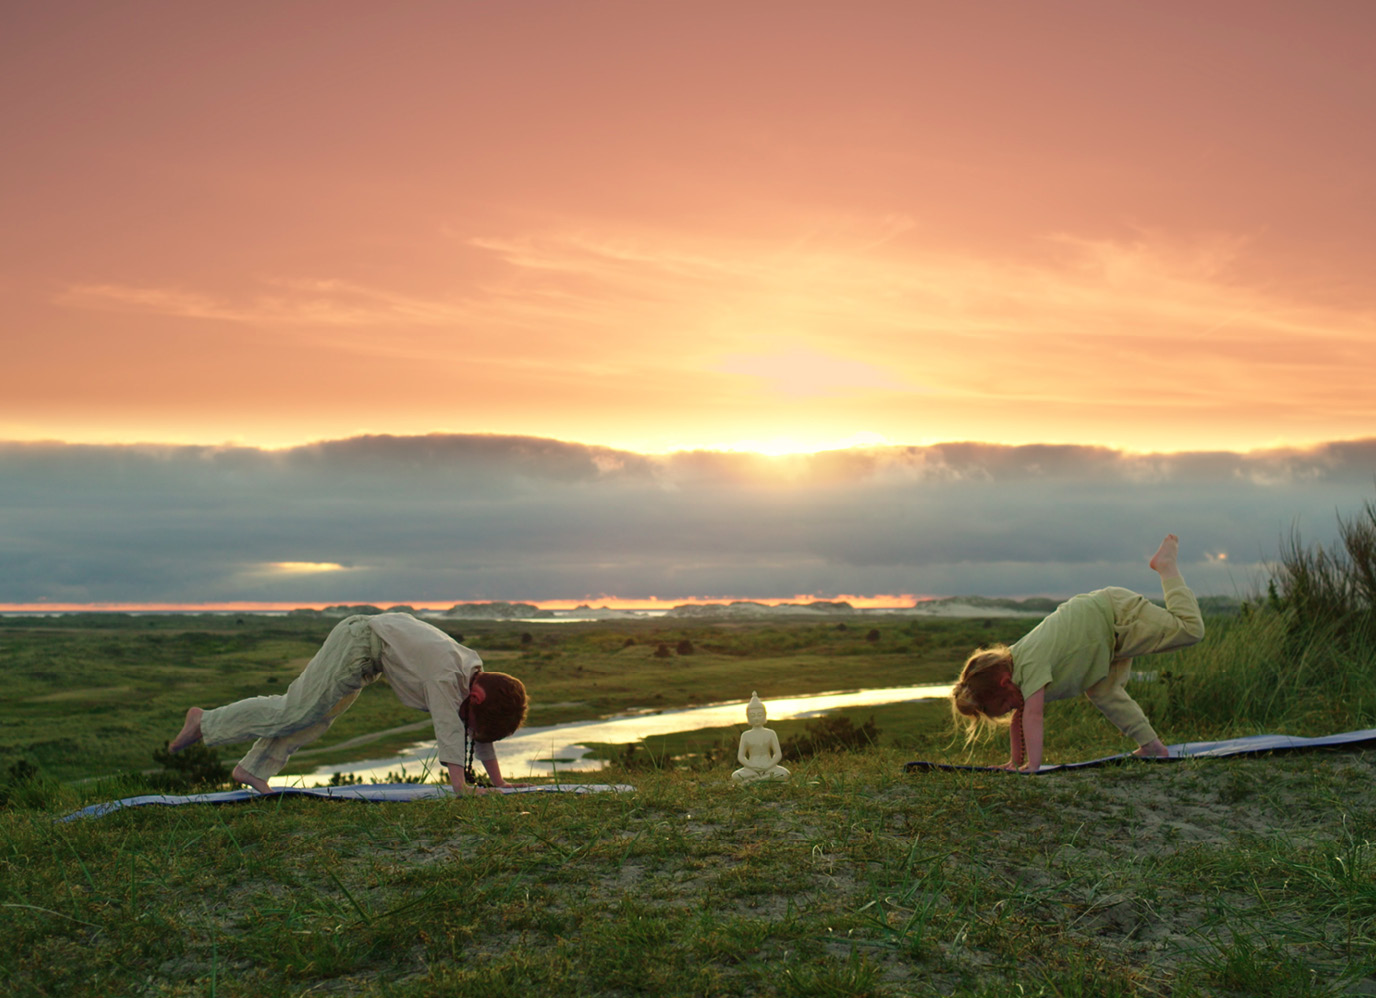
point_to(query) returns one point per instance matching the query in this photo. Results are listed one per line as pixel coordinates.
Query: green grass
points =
(1233, 877)
(1246, 877)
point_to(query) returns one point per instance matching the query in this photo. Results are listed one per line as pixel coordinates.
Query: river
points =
(562, 748)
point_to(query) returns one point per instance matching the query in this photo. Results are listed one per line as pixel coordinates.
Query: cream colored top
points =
(430, 671)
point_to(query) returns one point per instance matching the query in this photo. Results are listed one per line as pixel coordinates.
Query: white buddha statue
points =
(759, 753)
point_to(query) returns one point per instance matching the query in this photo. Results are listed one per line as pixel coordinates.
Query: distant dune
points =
(955, 606)
(948, 606)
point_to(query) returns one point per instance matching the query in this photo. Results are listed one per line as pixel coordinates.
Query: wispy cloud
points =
(1131, 298)
(857, 324)
(297, 303)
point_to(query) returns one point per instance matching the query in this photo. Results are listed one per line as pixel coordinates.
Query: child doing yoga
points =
(1085, 646)
(426, 668)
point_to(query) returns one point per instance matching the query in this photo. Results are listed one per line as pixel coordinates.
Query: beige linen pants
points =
(1140, 627)
(349, 660)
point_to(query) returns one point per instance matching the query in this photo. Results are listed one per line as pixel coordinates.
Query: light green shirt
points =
(1069, 651)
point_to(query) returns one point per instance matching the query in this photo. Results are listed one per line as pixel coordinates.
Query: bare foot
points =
(1163, 562)
(190, 733)
(1153, 750)
(241, 775)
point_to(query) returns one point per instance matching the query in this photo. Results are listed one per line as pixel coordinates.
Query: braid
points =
(468, 772)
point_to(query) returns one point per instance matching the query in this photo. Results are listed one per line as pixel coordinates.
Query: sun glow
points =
(788, 444)
(304, 567)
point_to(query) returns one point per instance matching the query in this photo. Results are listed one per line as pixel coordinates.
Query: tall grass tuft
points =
(1300, 659)
(1326, 586)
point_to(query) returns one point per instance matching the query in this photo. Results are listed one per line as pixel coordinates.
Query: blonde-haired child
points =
(1085, 646)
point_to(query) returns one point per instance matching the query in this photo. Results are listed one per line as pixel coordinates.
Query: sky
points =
(313, 282)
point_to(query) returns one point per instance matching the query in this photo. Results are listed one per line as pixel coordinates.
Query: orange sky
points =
(773, 226)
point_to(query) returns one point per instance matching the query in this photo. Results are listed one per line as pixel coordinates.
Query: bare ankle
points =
(1163, 562)
(242, 775)
(190, 733)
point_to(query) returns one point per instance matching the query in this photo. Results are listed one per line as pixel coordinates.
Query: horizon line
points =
(877, 602)
(879, 444)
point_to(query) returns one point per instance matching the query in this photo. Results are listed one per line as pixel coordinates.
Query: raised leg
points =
(1112, 699)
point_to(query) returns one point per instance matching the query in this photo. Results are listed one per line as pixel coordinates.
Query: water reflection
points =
(563, 747)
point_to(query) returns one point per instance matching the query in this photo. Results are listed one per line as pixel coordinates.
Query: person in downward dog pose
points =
(426, 668)
(1085, 646)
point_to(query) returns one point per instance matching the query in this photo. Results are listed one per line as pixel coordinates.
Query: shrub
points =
(438, 776)
(194, 768)
(1327, 586)
(638, 756)
(830, 734)
(25, 786)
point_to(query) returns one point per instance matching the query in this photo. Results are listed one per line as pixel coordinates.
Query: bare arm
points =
(460, 785)
(1032, 728)
(495, 772)
(456, 779)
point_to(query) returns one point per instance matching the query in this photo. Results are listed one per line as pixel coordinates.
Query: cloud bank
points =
(450, 518)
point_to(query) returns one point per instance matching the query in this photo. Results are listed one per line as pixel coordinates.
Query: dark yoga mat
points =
(377, 792)
(1250, 745)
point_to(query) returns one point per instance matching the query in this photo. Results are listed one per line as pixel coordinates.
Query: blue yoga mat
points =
(1249, 745)
(375, 792)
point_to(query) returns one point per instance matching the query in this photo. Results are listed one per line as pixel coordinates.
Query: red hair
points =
(503, 706)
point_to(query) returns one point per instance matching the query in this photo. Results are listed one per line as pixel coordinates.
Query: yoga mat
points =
(375, 792)
(1248, 745)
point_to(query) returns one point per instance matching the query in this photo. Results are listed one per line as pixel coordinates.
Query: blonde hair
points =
(982, 676)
